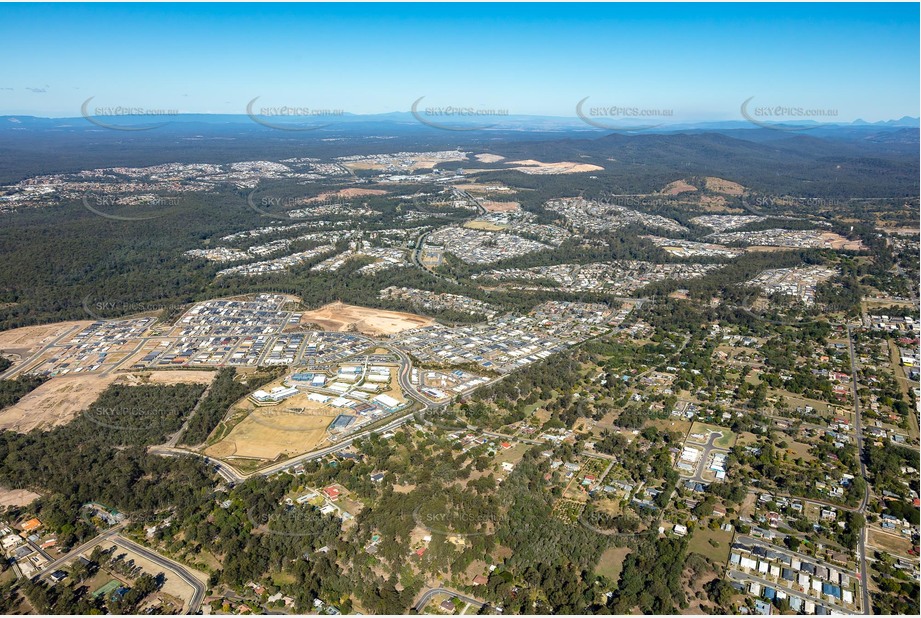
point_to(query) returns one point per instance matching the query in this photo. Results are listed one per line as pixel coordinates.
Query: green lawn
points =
(700, 543)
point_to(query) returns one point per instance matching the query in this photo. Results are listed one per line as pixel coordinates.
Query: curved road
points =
(113, 535)
(179, 570)
(428, 594)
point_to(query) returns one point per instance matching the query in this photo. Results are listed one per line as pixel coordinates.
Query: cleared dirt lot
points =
(55, 402)
(492, 206)
(346, 193)
(295, 426)
(169, 377)
(488, 158)
(678, 187)
(375, 322)
(721, 185)
(25, 341)
(836, 241)
(889, 542)
(530, 166)
(16, 497)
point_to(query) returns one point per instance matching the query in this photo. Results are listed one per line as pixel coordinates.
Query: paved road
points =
(428, 594)
(706, 449)
(750, 540)
(113, 535)
(173, 439)
(170, 565)
(56, 564)
(862, 540)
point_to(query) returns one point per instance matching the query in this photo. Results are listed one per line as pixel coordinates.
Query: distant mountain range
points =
(460, 123)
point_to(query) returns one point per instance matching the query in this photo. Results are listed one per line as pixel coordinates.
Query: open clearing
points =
(295, 426)
(16, 497)
(375, 322)
(56, 402)
(836, 241)
(678, 187)
(475, 188)
(889, 542)
(612, 562)
(530, 166)
(721, 185)
(60, 399)
(168, 377)
(492, 206)
(726, 440)
(488, 158)
(485, 225)
(346, 193)
(701, 543)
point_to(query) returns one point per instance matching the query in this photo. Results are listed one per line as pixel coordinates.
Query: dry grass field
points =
(492, 206)
(488, 158)
(295, 426)
(721, 185)
(484, 225)
(678, 187)
(374, 322)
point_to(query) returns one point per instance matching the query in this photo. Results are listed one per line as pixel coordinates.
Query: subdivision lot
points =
(30, 339)
(173, 585)
(889, 543)
(56, 402)
(726, 441)
(340, 317)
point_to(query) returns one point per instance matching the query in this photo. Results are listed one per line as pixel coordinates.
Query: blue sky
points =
(700, 61)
